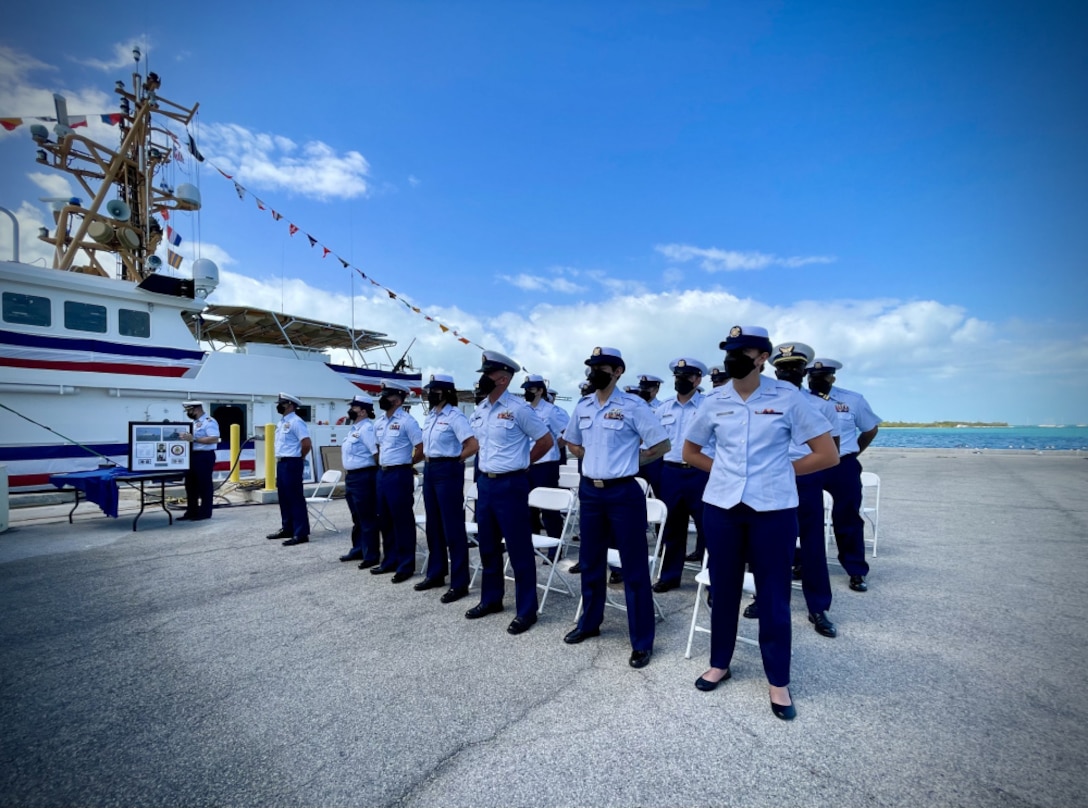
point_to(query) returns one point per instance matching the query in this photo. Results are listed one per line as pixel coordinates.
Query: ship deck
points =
(202, 664)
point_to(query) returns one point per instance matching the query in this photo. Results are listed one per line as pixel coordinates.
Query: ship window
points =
(133, 323)
(27, 309)
(84, 317)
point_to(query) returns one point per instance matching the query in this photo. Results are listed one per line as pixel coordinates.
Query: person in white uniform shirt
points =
(292, 445)
(750, 502)
(359, 457)
(199, 487)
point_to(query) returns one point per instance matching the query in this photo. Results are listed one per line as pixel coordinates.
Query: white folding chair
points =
(569, 479)
(645, 486)
(563, 502)
(829, 525)
(472, 529)
(870, 502)
(703, 581)
(321, 497)
(656, 513)
(421, 520)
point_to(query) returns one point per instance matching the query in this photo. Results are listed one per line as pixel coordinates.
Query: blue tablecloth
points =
(100, 486)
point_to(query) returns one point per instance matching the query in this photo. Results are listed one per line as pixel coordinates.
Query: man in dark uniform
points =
(292, 446)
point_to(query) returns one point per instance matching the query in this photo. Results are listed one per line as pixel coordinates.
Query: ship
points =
(107, 335)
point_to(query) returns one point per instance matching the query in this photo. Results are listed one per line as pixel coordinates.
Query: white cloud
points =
(122, 55)
(265, 161)
(413, 181)
(541, 283)
(713, 259)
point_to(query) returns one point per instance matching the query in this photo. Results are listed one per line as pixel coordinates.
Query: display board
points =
(158, 445)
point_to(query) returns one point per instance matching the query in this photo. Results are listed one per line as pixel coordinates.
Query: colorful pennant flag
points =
(313, 241)
(277, 217)
(293, 228)
(173, 236)
(173, 259)
(325, 251)
(238, 189)
(112, 118)
(10, 123)
(76, 121)
(193, 150)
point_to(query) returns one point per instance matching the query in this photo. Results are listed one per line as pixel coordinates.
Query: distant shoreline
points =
(944, 425)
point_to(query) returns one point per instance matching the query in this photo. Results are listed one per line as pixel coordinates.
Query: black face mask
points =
(683, 385)
(386, 403)
(434, 398)
(819, 384)
(530, 396)
(600, 379)
(739, 364)
(645, 395)
(281, 408)
(486, 385)
(792, 375)
(352, 417)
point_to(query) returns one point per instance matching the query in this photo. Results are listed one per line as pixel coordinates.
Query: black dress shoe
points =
(453, 594)
(823, 625)
(786, 712)
(364, 565)
(706, 685)
(857, 583)
(694, 558)
(520, 625)
(575, 568)
(751, 611)
(401, 577)
(296, 540)
(578, 635)
(381, 569)
(615, 577)
(430, 583)
(665, 586)
(640, 659)
(480, 610)
(350, 557)
(279, 534)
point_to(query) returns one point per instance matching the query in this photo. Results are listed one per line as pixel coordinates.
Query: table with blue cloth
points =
(102, 486)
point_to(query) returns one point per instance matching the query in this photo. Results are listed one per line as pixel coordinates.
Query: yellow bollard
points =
(235, 451)
(269, 457)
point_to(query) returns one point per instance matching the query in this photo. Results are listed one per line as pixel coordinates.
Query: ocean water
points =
(1036, 438)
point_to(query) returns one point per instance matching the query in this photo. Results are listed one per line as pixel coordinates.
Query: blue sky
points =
(902, 186)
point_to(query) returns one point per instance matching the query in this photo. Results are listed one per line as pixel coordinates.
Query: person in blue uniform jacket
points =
(447, 443)
(400, 446)
(859, 425)
(789, 363)
(750, 502)
(292, 446)
(681, 483)
(511, 438)
(544, 473)
(199, 488)
(359, 457)
(605, 432)
(648, 388)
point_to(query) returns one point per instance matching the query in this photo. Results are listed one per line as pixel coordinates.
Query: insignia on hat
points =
(682, 363)
(787, 350)
(735, 331)
(597, 351)
(817, 365)
(432, 377)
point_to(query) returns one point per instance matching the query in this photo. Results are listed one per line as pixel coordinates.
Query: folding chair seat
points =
(421, 521)
(563, 502)
(870, 502)
(703, 581)
(321, 497)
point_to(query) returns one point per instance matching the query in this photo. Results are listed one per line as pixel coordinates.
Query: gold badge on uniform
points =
(735, 331)
(597, 351)
(682, 363)
(787, 350)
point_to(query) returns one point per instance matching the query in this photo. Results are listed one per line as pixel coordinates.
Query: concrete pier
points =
(201, 664)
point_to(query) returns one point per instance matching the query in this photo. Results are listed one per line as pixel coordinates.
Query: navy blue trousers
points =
(294, 518)
(199, 486)
(502, 511)
(545, 475)
(396, 498)
(843, 482)
(815, 581)
(444, 500)
(361, 493)
(738, 536)
(617, 512)
(682, 493)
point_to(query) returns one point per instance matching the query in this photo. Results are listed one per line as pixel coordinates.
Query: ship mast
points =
(121, 222)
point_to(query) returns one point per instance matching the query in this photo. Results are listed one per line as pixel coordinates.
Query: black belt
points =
(444, 459)
(360, 471)
(492, 476)
(398, 466)
(607, 483)
(672, 464)
(289, 457)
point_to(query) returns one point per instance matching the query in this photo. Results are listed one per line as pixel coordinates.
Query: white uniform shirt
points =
(359, 447)
(398, 434)
(289, 436)
(752, 443)
(205, 427)
(675, 418)
(556, 420)
(506, 431)
(445, 432)
(611, 434)
(827, 410)
(855, 415)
